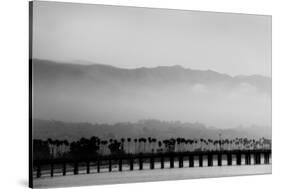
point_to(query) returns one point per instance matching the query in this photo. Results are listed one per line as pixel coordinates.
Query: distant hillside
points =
(44, 129)
(53, 73)
(105, 94)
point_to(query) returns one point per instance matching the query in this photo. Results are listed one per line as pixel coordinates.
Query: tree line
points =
(95, 146)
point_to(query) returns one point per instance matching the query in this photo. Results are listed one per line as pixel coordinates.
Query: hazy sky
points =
(131, 37)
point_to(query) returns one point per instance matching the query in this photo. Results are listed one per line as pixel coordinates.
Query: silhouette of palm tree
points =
(160, 145)
(144, 141)
(129, 145)
(149, 144)
(154, 140)
(135, 141)
(139, 145)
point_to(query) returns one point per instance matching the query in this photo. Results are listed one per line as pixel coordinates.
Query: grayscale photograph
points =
(125, 94)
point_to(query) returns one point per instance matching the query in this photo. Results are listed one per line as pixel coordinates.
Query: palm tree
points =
(195, 144)
(160, 145)
(166, 144)
(139, 145)
(129, 145)
(60, 147)
(191, 144)
(178, 140)
(97, 142)
(149, 139)
(144, 141)
(103, 143)
(171, 144)
(122, 144)
(56, 144)
(135, 141)
(65, 145)
(154, 140)
(149, 144)
(51, 143)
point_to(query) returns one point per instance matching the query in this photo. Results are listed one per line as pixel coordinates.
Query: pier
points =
(58, 167)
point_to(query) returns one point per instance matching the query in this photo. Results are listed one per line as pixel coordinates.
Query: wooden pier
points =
(131, 160)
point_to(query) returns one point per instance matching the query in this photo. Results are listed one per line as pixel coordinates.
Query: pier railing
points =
(65, 166)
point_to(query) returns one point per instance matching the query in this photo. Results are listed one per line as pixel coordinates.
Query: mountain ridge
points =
(176, 66)
(99, 93)
(142, 76)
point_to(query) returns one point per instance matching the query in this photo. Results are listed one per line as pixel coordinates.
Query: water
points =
(147, 175)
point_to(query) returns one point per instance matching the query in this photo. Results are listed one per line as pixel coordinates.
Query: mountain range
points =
(98, 93)
(99, 74)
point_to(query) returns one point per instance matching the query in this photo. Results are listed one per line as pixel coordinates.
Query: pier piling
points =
(210, 160)
(151, 163)
(180, 162)
(109, 165)
(162, 162)
(229, 159)
(98, 165)
(257, 158)
(266, 158)
(171, 161)
(200, 160)
(64, 169)
(52, 169)
(238, 158)
(75, 170)
(248, 159)
(191, 161)
(140, 164)
(219, 159)
(131, 164)
(88, 167)
(120, 165)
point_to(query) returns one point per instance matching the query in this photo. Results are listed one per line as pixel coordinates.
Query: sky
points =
(130, 37)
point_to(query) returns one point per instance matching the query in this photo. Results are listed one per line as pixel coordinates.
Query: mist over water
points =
(109, 95)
